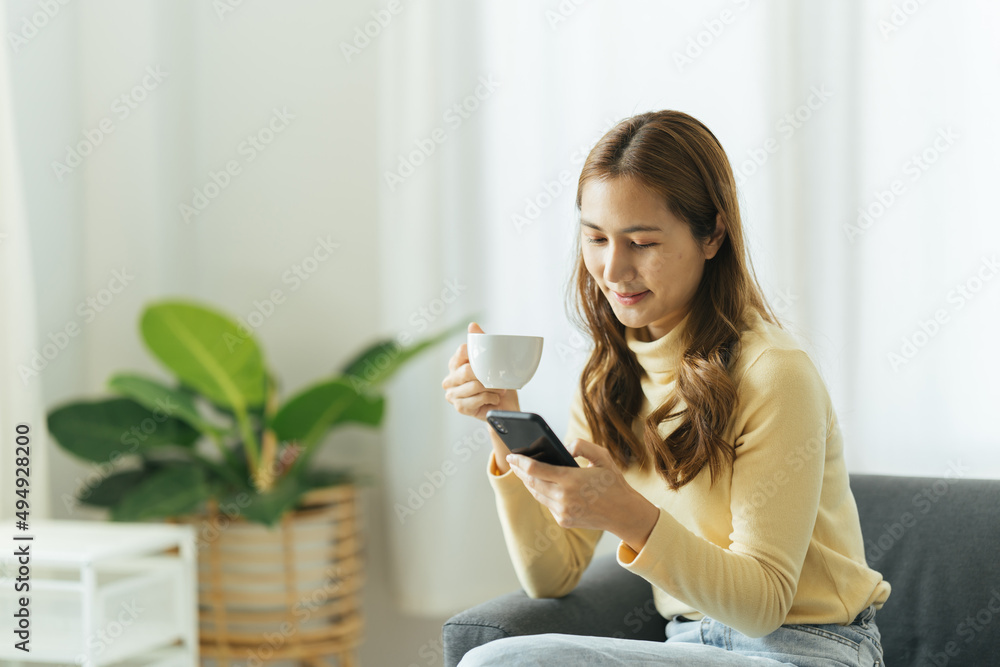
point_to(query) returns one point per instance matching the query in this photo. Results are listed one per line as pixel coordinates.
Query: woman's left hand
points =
(596, 497)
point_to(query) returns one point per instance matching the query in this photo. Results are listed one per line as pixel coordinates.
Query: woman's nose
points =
(618, 266)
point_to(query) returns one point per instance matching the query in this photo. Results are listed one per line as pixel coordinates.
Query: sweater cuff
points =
(653, 550)
(498, 480)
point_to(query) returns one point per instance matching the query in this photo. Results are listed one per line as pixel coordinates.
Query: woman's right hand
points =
(467, 393)
(470, 397)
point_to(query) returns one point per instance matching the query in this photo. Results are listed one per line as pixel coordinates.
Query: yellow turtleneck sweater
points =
(776, 540)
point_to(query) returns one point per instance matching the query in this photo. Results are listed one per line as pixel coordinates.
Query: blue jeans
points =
(696, 644)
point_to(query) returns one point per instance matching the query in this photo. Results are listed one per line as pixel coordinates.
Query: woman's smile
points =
(631, 299)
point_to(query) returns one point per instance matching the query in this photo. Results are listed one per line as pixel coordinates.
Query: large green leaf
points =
(307, 416)
(101, 430)
(171, 491)
(108, 492)
(155, 395)
(377, 363)
(268, 507)
(207, 351)
(367, 410)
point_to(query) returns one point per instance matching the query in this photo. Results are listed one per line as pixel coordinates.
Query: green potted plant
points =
(219, 437)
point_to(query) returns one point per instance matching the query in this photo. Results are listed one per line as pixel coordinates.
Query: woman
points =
(707, 439)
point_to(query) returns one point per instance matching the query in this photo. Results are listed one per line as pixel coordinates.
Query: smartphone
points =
(527, 434)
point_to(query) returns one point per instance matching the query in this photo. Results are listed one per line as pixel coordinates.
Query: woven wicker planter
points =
(289, 592)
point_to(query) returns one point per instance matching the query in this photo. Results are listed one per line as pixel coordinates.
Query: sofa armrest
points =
(608, 601)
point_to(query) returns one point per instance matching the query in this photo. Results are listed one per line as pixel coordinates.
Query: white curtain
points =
(441, 528)
(821, 108)
(925, 276)
(20, 397)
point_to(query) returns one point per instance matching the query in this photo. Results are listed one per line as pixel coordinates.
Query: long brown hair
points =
(677, 157)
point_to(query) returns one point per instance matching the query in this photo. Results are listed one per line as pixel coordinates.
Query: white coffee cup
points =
(504, 361)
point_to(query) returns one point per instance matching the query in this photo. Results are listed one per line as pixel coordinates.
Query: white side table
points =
(105, 593)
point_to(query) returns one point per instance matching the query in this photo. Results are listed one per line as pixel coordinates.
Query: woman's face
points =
(633, 244)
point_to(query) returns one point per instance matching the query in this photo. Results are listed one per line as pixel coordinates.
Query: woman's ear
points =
(714, 242)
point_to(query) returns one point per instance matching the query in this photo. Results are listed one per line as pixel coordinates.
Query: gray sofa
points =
(937, 541)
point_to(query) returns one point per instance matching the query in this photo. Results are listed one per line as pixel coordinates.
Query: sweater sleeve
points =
(782, 423)
(548, 559)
